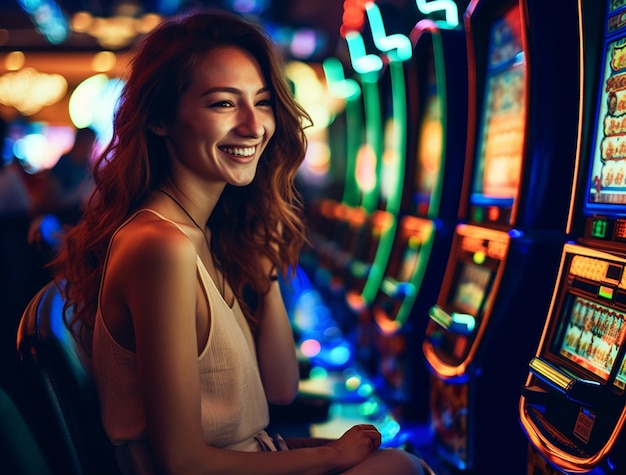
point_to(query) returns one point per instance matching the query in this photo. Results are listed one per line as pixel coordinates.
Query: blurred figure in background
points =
(69, 183)
(20, 267)
(65, 188)
(14, 197)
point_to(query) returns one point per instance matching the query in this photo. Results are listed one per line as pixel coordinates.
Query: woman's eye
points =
(222, 104)
(265, 102)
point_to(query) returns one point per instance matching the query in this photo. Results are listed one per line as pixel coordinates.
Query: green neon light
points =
(354, 123)
(385, 245)
(440, 79)
(448, 6)
(338, 85)
(373, 137)
(398, 97)
(379, 264)
(397, 46)
(349, 90)
(598, 229)
(367, 65)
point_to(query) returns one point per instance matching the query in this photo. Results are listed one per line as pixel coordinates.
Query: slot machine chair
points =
(59, 391)
(20, 453)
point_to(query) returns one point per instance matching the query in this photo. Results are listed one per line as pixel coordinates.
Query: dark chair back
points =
(60, 391)
(19, 450)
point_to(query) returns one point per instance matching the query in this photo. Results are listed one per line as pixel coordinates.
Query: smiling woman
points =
(194, 210)
(223, 122)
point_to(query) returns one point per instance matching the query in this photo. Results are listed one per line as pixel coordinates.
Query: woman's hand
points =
(355, 445)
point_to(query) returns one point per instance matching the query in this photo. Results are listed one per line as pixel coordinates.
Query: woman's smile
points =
(239, 151)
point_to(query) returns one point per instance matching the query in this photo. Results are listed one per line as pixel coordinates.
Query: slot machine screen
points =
(606, 181)
(501, 134)
(592, 335)
(430, 145)
(471, 287)
(410, 258)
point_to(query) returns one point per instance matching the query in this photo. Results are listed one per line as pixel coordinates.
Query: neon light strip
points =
(337, 83)
(349, 90)
(398, 97)
(397, 46)
(379, 264)
(448, 6)
(440, 78)
(373, 137)
(367, 65)
(381, 258)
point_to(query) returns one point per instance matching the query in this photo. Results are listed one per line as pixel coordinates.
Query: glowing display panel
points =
(594, 334)
(410, 258)
(617, 21)
(501, 139)
(471, 287)
(430, 146)
(606, 187)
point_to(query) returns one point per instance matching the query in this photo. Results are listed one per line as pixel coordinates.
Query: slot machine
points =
(423, 105)
(363, 274)
(346, 224)
(522, 130)
(572, 406)
(328, 227)
(368, 227)
(436, 96)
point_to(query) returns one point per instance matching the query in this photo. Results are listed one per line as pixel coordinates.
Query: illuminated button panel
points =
(589, 268)
(602, 228)
(597, 270)
(620, 229)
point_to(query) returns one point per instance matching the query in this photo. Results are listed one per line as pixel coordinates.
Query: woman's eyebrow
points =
(231, 90)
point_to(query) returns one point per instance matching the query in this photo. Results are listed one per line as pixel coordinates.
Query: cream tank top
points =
(234, 406)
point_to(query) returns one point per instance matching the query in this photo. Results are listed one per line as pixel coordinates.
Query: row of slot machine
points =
(478, 244)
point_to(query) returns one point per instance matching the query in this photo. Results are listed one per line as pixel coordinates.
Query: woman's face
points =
(224, 119)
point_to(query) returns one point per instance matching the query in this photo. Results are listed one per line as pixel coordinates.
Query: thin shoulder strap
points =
(128, 220)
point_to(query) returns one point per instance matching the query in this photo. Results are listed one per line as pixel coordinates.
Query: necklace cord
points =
(185, 211)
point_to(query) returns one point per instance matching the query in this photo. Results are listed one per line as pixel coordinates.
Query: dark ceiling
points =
(17, 27)
(324, 17)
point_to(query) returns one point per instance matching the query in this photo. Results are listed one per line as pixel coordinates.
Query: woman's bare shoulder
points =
(149, 240)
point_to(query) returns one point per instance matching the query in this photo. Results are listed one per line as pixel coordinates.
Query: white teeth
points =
(239, 151)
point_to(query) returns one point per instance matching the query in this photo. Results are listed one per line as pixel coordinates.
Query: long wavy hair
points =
(262, 218)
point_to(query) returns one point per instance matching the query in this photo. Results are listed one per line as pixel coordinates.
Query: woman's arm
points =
(158, 282)
(276, 350)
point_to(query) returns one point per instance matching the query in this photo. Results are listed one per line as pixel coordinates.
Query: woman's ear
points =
(158, 129)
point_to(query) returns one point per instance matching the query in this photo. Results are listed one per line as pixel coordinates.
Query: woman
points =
(172, 271)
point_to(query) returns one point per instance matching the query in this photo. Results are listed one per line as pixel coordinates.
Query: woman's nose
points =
(250, 122)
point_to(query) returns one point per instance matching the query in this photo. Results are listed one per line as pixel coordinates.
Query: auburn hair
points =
(263, 218)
